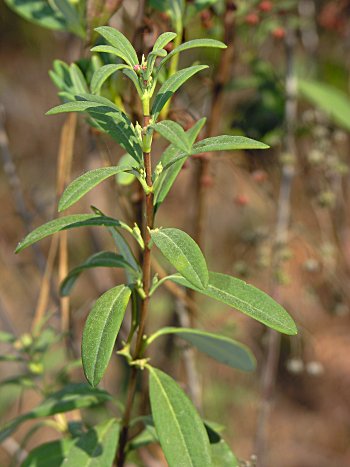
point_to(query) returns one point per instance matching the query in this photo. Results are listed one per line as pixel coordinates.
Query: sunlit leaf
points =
(181, 431)
(120, 43)
(245, 298)
(108, 118)
(193, 44)
(101, 330)
(86, 182)
(183, 253)
(174, 133)
(163, 40)
(66, 222)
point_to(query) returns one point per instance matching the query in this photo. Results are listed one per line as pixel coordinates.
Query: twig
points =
(269, 373)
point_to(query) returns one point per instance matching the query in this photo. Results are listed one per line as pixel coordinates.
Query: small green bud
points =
(159, 169)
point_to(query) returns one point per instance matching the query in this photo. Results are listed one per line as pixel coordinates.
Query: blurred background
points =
(278, 219)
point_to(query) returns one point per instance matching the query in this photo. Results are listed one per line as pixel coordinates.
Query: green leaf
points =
(39, 12)
(181, 432)
(183, 253)
(122, 46)
(166, 179)
(11, 358)
(135, 79)
(332, 101)
(66, 222)
(102, 74)
(219, 143)
(103, 259)
(96, 448)
(226, 143)
(101, 330)
(192, 44)
(49, 454)
(86, 182)
(71, 16)
(174, 133)
(220, 348)
(164, 40)
(221, 453)
(7, 337)
(78, 79)
(171, 85)
(245, 298)
(108, 118)
(74, 396)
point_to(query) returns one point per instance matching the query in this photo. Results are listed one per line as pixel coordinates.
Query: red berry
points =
(259, 176)
(241, 200)
(252, 19)
(265, 6)
(279, 33)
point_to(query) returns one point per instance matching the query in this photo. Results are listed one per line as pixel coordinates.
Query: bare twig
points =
(269, 373)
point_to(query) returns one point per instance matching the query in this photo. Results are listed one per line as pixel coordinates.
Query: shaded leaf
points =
(220, 348)
(183, 253)
(171, 85)
(86, 182)
(166, 179)
(49, 454)
(96, 448)
(101, 330)
(125, 178)
(71, 17)
(105, 259)
(181, 432)
(63, 223)
(73, 396)
(245, 298)
(120, 43)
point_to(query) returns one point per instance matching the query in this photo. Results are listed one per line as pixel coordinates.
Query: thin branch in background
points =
(269, 373)
(16, 188)
(64, 165)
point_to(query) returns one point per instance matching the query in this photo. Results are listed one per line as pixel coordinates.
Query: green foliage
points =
(332, 101)
(96, 447)
(220, 348)
(101, 330)
(103, 259)
(183, 436)
(86, 182)
(184, 254)
(73, 396)
(171, 85)
(245, 298)
(180, 430)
